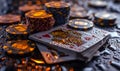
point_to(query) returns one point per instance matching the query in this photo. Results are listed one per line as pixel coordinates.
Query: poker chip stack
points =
(9, 19)
(60, 11)
(105, 19)
(17, 41)
(39, 20)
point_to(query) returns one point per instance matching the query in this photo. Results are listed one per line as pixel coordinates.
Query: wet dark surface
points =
(107, 58)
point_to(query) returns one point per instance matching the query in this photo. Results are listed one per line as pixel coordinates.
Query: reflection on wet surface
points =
(106, 59)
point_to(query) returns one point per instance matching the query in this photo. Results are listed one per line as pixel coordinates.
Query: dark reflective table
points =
(106, 59)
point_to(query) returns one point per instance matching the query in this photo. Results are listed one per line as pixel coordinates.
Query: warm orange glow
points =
(56, 57)
(5, 47)
(31, 49)
(20, 28)
(71, 69)
(48, 69)
(21, 52)
(23, 62)
(38, 14)
(19, 69)
(37, 61)
(17, 29)
(21, 45)
(41, 14)
(57, 4)
(9, 51)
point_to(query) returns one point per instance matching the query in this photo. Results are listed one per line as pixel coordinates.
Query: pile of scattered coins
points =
(17, 33)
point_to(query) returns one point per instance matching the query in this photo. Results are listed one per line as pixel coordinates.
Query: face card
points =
(52, 56)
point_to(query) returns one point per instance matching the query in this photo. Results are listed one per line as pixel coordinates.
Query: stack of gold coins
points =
(39, 20)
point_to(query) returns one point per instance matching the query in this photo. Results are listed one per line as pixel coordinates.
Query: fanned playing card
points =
(52, 56)
(83, 43)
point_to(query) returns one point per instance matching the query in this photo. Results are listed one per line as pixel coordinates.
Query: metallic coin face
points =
(17, 29)
(19, 47)
(80, 24)
(38, 14)
(105, 15)
(57, 4)
(97, 3)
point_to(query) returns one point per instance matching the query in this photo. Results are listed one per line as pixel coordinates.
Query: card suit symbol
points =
(46, 36)
(78, 44)
(71, 46)
(87, 38)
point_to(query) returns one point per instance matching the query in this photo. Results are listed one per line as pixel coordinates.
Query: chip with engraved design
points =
(80, 24)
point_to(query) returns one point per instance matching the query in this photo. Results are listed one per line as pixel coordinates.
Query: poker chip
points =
(9, 19)
(26, 8)
(105, 19)
(80, 15)
(80, 24)
(39, 20)
(57, 4)
(19, 47)
(60, 11)
(77, 7)
(78, 12)
(97, 4)
(17, 31)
